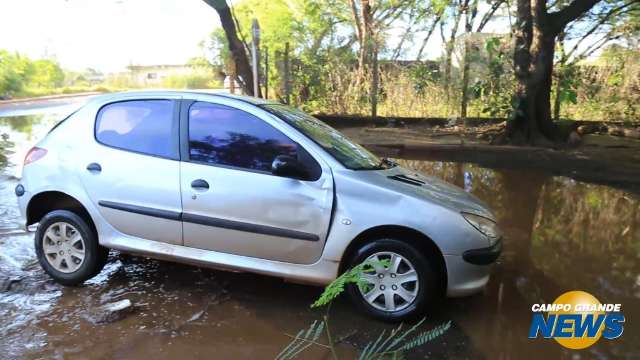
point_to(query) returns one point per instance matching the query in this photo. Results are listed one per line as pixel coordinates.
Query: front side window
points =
(223, 135)
(143, 126)
(347, 152)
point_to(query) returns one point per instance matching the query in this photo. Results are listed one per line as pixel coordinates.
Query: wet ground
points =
(560, 235)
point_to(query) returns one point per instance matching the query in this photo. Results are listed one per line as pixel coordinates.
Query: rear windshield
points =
(63, 120)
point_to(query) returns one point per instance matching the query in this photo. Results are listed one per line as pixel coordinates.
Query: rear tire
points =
(68, 249)
(401, 291)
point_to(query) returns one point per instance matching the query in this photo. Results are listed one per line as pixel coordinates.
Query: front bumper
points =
(469, 273)
(484, 256)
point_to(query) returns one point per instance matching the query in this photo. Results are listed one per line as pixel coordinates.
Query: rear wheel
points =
(68, 249)
(400, 289)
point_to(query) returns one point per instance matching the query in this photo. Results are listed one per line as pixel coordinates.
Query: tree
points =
(15, 72)
(589, 33)
(457, 8)
(310, 27)
(236, 47)
(46, 74)
(471, 11)
(536, 30)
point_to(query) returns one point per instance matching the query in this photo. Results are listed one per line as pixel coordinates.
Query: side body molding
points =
(209, 221)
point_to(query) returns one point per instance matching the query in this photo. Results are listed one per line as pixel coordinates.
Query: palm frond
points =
(370, 348)
(302, 341)
(400, 338)
(427, 336)
(392, 346)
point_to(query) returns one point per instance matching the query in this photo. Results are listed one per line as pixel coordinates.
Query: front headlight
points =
(486, 226)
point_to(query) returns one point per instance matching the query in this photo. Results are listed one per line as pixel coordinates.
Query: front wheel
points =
(400, 284)
(68, 249)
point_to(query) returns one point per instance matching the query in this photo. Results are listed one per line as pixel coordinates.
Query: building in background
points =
(153, 75)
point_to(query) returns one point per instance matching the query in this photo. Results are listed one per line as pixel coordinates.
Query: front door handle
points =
(94, 167)
(200, 184)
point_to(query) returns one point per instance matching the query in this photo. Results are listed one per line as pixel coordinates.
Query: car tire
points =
(421, 293)
(68, 249)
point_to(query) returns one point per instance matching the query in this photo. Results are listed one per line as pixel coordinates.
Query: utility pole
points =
(266, 72)
(374, 83)
(287, 68)
(255, 48)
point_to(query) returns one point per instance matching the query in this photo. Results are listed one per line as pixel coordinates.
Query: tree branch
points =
(597, 25)
(559, 19)
(405, 36)
(356, 20)
(489, 14)
(436, 21)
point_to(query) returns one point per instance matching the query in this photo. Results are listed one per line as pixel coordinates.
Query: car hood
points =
(434, 190)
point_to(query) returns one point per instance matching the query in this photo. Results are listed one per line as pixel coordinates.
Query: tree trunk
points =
(449, 47)
(364, 59)
(557, 101)
(556, 96)
(470, 10)
(535, 36)
(236, 47)
(534, 94)
(533, 61)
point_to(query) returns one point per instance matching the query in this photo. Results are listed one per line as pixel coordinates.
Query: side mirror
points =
(287, 166)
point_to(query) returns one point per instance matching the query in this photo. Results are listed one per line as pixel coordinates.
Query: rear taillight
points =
(34, 154)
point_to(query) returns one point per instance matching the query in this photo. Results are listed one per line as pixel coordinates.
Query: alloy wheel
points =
(63, 247)
(391, 283)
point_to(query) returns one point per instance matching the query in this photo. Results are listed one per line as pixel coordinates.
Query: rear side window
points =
(143, 126)
(223, 135)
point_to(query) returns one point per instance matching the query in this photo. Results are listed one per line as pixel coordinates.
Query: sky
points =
(107, 35)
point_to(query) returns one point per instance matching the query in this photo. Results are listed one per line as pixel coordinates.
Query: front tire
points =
(400, 291)
(67, 248)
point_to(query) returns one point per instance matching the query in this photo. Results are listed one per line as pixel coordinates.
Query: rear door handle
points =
(94, 167)
(200, 184)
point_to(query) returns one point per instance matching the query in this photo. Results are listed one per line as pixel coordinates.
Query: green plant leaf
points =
(352, 276)
(302, 341)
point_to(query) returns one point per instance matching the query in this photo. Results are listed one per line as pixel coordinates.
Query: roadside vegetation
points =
(23, 77)
(445, 58)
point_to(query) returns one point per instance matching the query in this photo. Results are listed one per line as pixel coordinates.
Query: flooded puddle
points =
(560, 235)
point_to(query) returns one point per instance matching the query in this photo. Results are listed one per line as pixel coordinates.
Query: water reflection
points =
(18, 134)
(560, 235)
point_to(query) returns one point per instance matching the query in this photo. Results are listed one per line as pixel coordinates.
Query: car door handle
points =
(94, 167)
(200, 184)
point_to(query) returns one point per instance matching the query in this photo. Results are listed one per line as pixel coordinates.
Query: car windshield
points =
(348, 153)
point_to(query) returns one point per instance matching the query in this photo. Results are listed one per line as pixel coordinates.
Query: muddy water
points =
(560, 235)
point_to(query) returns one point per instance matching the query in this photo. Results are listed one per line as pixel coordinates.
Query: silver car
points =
(247, 184)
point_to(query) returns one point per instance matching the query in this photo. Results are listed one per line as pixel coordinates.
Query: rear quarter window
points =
(142, 126)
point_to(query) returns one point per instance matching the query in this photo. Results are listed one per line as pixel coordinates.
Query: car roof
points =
(219, 92)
